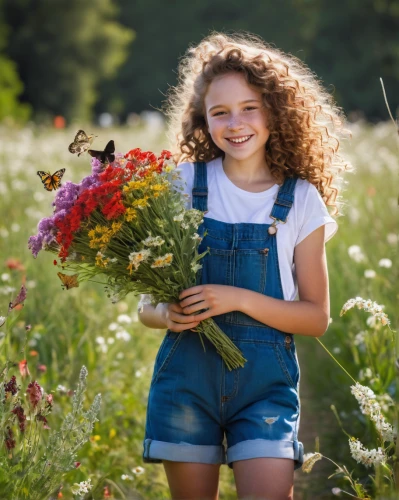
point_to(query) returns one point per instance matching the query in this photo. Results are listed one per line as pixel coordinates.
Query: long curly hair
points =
(304, 122)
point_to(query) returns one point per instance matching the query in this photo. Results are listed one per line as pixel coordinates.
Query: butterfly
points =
(81, 143)
(68, 281)
(51, 181)
(106, 155)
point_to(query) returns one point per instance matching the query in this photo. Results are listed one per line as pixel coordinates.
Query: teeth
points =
(243, 139)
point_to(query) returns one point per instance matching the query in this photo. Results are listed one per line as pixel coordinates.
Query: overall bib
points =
(198, 410)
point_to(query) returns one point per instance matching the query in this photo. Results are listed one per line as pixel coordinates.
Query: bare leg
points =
(264, 479)
(192, 481)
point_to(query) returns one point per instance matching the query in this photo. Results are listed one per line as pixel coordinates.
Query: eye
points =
(218, 113)
(250, 107)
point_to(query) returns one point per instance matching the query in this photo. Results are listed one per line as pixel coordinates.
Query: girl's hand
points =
(175, 318)
(216, 299)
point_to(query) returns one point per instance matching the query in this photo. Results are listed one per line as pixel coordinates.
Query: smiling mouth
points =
(239, 140)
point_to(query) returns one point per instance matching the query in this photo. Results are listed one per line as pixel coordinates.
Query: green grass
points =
(67, 326)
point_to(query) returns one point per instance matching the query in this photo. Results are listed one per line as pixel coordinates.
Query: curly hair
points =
(305, 124)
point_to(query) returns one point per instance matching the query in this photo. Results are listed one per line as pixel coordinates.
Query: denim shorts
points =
(199, 411)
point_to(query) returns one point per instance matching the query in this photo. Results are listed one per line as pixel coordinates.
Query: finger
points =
(198, 306)
(182, 318)
(176, 307)
(180, 328)
(188, 301)
(190, 291)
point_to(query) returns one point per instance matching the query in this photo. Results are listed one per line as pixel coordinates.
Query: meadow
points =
(81, 327)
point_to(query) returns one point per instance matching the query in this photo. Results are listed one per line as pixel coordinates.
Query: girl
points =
(253, 131)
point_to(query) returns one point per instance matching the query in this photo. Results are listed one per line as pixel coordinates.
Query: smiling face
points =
(236, 118)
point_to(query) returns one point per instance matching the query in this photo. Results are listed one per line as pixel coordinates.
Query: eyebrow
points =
(242, 102)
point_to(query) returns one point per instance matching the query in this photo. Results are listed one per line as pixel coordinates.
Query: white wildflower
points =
(138, 373)
(110, 340)
(5, 277)
(82, 488)
(196, 237)
(355, 253)
(196, 267)
(368, 306)
(120, 355)
(138, 470)
(126, 477)
(113, 326)
(100, 340)
(369, 406)
(336, 491)
(370, 273)
(136, 258)
(364, 456)
(392, 238)
(336, 350)
(385, 263)
(360, 337)
(178, 218)
(124, 335)
(309, 459)
(152, 241)
(15, 227)
(124, 318)
(163, 261)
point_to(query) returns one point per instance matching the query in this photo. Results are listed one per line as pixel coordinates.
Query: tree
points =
(63, 49)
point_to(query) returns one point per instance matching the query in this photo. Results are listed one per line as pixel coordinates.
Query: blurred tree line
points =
(79, 59)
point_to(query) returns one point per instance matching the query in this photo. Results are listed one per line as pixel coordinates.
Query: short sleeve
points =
(315, 214)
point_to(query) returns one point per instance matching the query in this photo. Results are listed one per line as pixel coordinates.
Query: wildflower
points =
(355, 253)
(5, 277)
(178, 218)
(15, 264)
(19, 299)
(385, 263)
(336, 491)
(130, 214)
(9, 440)
(20, 413)
(23, 368)
(126, 477)
(136, 258)
(152, 241)
(368, 306)
(196, 267)
(82, 488)
(370, 273)
(163, 261)
(392, 238)
(138, 470)
(309, 459)
(124, 318)
(27, 328)
(141, 203)
(124, 335)
(42, 368)
(35, 393)
(364, 456)
(101, 260)
(11, 386)
(106, 492)
(369, 406)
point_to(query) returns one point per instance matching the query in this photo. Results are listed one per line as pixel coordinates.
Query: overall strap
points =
(284, 200)
(200, 188)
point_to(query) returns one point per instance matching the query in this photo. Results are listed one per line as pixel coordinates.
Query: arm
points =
(309, 316)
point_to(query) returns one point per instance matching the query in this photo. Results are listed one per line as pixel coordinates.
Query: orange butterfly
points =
(68, 281)
(51, 181)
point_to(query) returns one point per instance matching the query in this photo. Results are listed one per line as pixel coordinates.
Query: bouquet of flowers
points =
(127, 221)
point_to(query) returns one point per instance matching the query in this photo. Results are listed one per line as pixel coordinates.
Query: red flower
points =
(114, 208)
(19, 412)
(165, 154)
(23, 368)
(35, 393)
(10, 442)
(77, 464)
(11, 386)
(107, 493)
(42, 368)
(43, 419)
(12, 263)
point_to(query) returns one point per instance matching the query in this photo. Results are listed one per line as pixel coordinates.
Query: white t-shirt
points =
(229, 203)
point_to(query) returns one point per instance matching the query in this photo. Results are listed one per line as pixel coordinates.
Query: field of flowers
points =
(63, 339)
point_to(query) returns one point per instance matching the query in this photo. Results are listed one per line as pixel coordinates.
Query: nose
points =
(234, 123)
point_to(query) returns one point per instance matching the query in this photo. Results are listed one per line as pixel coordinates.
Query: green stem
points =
(338, 363)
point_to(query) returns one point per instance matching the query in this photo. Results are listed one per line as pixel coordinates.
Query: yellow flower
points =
(112, 433)
(164, 261)
(130, 214)
(141, 203)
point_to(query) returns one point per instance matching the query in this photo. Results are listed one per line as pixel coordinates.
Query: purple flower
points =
(66, 196)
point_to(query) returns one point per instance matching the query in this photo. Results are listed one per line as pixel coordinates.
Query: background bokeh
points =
(107, 65)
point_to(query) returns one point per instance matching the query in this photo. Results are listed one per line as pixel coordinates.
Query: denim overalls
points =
(198, 410)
